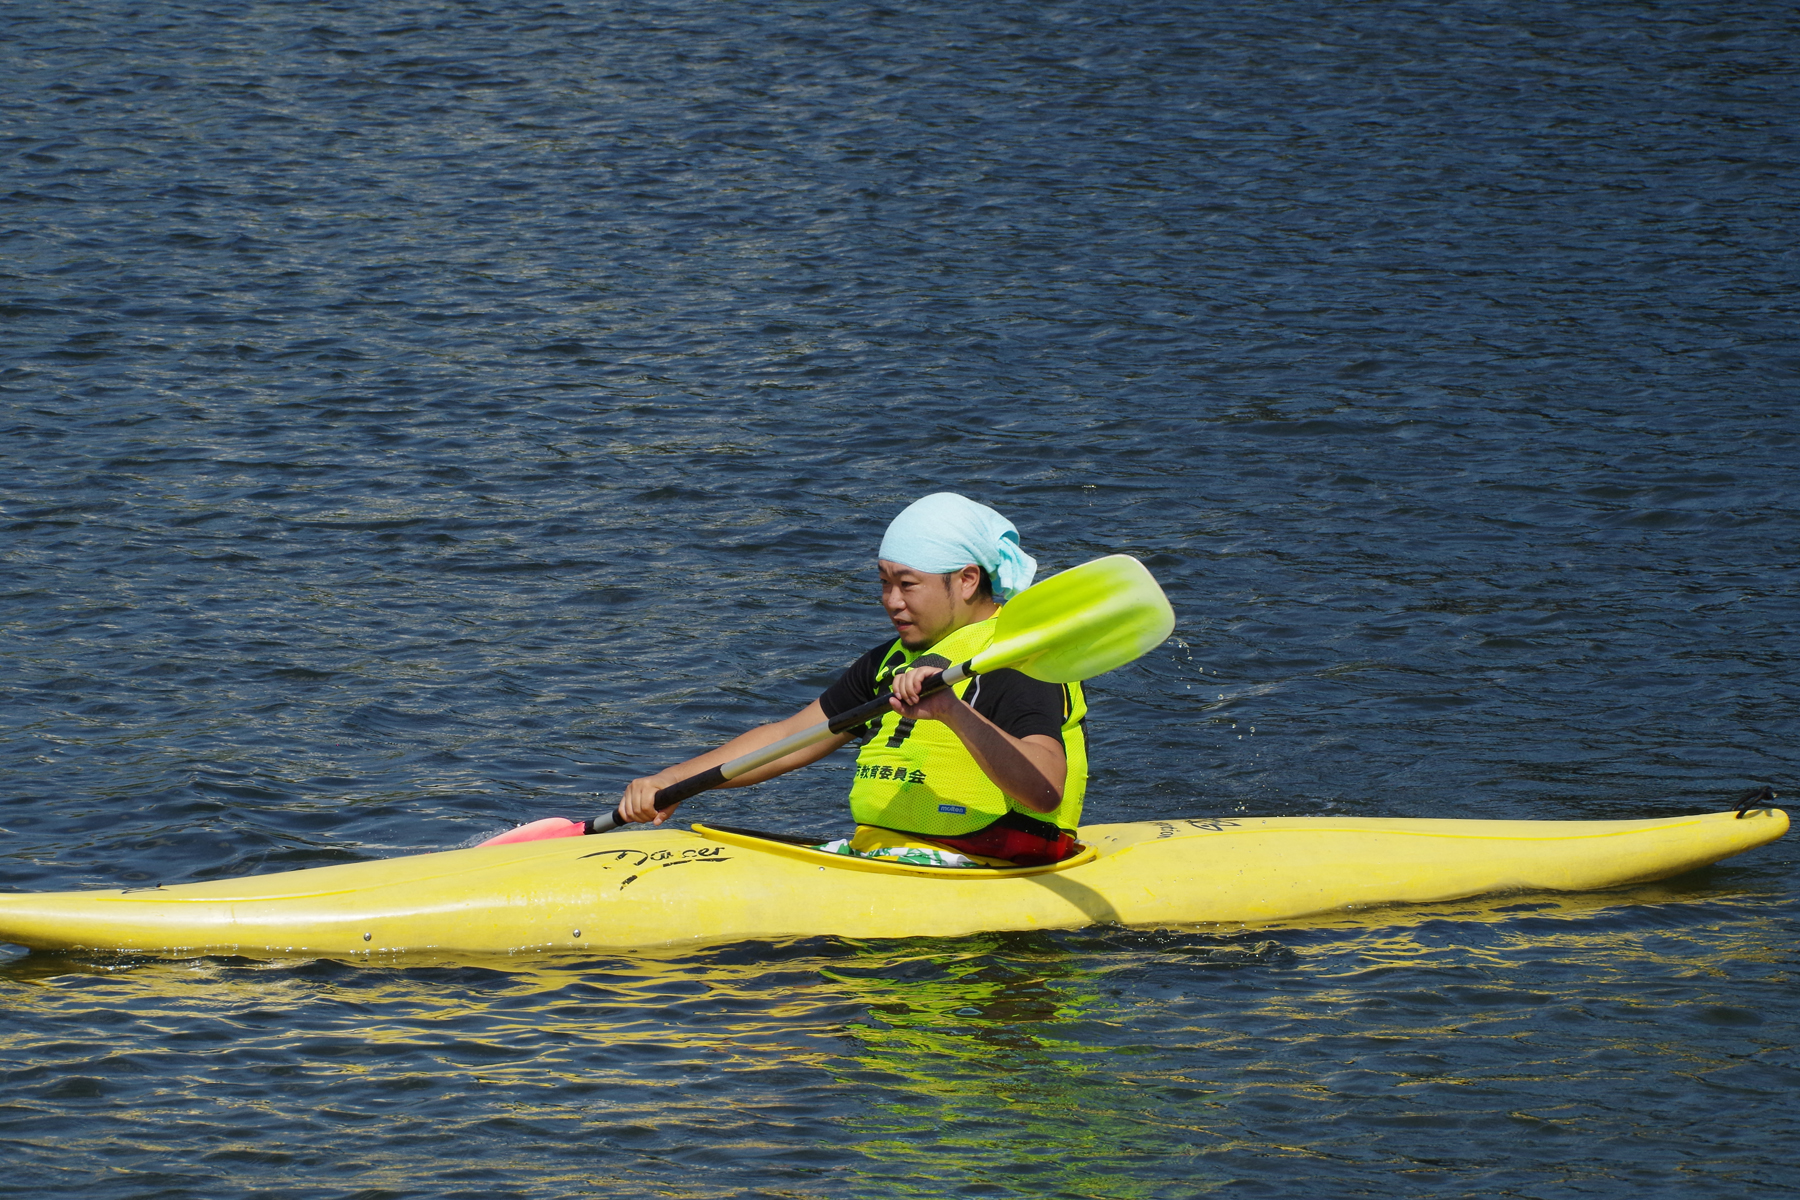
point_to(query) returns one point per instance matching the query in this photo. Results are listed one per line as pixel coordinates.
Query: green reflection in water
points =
(1000, 1062)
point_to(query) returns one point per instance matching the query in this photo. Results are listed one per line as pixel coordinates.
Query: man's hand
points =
(639, 801)
(908, 687)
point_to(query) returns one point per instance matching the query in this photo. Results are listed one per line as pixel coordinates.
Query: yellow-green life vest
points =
(918, 777)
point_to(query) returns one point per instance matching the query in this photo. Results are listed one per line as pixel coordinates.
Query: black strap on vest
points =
(1014, 819)
(896, 661)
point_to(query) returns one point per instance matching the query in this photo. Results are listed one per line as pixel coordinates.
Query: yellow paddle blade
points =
(1081, 623)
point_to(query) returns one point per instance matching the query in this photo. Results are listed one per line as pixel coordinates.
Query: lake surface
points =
(424, 418)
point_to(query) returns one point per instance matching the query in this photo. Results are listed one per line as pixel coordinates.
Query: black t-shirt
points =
(1017, 703)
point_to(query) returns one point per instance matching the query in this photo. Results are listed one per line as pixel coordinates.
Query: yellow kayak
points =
(660, 887)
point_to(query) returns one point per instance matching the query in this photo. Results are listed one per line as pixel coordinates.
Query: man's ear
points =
(968, 583)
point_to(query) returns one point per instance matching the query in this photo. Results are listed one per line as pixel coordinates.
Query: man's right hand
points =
(639, 802)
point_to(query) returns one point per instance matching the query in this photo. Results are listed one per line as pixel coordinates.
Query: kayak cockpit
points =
(806, 849)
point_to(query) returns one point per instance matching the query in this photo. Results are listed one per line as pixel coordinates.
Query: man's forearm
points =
(755, 739)
(1032, 774)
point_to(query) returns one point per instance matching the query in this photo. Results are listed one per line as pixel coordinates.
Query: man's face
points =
(922, 606)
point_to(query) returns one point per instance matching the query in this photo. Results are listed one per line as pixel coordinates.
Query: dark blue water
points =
(421, 418)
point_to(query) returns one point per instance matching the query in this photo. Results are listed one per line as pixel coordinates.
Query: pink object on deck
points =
(538, 831)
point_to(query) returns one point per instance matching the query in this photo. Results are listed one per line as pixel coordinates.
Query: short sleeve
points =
(856, 685)
(1018, 704)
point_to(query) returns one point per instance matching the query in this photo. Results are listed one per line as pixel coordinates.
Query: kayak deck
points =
(658, 887)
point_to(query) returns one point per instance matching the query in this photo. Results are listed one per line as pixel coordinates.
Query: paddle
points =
(1069, 627)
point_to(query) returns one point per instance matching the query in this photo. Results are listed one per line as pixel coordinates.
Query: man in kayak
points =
(994, 767)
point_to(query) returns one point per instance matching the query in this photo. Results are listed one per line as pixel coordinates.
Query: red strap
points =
(1014, 845)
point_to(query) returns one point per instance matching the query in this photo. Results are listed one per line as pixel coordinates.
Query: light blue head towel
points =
(945, 532)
